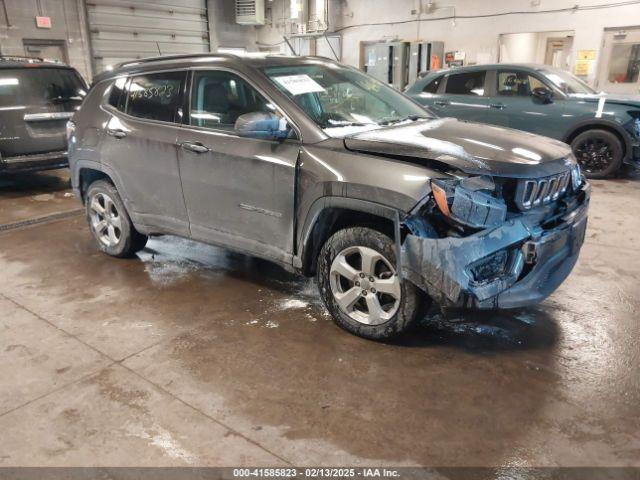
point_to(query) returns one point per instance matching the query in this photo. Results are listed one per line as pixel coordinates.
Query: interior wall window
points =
(517, 84)
(624, 66)
(219, 97)
(471, 83)
(156, 96)
(432, 87)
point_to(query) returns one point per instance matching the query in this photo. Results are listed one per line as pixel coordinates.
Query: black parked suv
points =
(37, 97)
(328, 172)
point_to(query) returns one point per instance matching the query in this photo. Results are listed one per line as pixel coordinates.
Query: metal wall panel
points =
(122, 30)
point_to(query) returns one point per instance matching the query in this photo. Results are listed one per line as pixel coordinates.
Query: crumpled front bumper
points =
(535, 261)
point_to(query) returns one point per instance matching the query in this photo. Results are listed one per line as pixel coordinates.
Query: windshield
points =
(40, 87)
(341, 99)
(567, 82)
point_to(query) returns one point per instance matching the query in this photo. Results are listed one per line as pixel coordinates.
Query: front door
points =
(140, 143)
(512, 105)
(463, 97)
(239, 191)
(619, 70)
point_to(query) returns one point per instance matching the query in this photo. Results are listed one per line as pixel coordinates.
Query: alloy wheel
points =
(106, 221)
(594, 155)
(365, 286)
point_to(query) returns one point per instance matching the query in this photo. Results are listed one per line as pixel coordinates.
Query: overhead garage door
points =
(124, 30)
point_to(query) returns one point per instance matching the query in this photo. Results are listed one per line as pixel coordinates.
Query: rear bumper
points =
(35, 162)
(518, 264)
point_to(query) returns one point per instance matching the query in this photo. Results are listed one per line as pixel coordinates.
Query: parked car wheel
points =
(109, 222)
(359, 286)
(599, 153)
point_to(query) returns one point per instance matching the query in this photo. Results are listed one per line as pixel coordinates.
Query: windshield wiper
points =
(344, 124)
(413, 118)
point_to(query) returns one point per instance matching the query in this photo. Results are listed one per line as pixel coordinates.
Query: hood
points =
(628, 100)
(471, 147)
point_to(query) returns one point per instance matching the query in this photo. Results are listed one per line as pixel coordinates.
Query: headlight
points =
(469, 201)
(576, 177)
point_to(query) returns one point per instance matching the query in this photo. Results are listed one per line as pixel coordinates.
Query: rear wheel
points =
(109, 222)
(599, 153)
(359, 286)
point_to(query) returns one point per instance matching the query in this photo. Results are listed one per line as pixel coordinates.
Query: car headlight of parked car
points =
(576, 176)
(469, 201)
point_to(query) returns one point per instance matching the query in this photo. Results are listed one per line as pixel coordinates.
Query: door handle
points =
(195, 147)
(117, 133)
(441, 103)
(498, 106)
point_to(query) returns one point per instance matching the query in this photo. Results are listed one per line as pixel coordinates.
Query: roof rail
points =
(174, 57)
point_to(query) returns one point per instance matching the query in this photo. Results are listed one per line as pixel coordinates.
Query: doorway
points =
(48, 49)
(548, 48)
(619, 70)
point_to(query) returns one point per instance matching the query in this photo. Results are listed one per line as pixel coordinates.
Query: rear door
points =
(239, 191)
(35, 104)
(140, 145)
(463, 96)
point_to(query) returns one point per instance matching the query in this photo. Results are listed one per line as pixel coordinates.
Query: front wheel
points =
(599, 153)
(359, 286)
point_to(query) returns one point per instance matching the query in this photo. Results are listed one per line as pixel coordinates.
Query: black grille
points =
(541, 191)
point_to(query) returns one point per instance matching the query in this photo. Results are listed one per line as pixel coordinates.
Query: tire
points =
(109, 222)
(341, 283)
(599, 153)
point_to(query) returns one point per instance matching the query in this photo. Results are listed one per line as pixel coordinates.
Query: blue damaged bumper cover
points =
(514, 265)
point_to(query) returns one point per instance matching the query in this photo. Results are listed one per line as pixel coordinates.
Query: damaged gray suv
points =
(324, 170)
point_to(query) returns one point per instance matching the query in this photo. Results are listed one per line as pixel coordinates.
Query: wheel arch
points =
(328, 215)
(594, 124)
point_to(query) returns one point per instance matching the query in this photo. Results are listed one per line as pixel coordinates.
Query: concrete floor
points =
(191, 355)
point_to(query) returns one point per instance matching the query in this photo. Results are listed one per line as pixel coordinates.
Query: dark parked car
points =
(326, 171)
(37, 97)
(603, 130)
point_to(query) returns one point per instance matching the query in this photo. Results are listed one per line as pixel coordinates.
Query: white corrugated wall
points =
(122, 30)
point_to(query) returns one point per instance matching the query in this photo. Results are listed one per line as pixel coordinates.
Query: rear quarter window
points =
(117, 94)
(155, 96)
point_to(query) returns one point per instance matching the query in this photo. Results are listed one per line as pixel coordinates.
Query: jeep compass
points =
(324, 170)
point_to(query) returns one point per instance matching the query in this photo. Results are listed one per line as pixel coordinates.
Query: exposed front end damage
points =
(513, 262)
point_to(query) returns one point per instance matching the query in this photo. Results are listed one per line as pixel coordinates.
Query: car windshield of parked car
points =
(40, 87)
(342, 100)
(568, 83)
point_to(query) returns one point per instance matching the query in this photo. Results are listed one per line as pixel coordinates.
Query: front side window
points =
(471, 83)
(433, 85)
(155, 96)
(517, 84)
(339, 99)
(219, 97)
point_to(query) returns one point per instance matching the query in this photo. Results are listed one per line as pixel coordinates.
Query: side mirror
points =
(542, 95)
(262, 125)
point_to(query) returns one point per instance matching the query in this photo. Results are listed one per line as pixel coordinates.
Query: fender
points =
(324, 203)
(81, 164)
(599, 122)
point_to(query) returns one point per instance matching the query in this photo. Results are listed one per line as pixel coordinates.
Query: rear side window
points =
(471, 83)
(433, 85)
(156, 96)
(41, 87)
